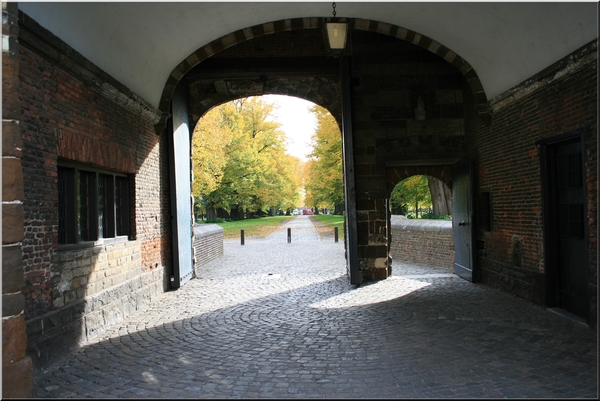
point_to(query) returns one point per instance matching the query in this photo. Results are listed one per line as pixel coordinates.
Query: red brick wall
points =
(507, 162)
(414, 243)
(64, 117)
(17, 367)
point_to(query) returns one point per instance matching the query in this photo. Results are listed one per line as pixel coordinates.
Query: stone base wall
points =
(54, 334)
(428, 242)
(208, 244)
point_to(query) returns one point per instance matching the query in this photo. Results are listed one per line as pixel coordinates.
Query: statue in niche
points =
(420, 110)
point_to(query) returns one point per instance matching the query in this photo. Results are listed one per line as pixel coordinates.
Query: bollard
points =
(289, 235)
(335, 234)
(242, 236)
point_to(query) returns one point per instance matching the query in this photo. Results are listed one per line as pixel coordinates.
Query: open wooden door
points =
(462, 220)
(181, 204)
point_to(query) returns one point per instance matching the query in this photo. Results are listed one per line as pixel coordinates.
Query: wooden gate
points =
(181, 204)
(462, 218)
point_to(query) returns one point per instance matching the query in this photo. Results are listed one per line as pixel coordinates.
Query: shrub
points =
(431, 216)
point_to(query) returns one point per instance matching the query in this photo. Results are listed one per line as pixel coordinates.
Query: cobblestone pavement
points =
(274, 320)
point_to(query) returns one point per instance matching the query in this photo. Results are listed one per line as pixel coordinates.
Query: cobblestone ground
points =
(277, 320)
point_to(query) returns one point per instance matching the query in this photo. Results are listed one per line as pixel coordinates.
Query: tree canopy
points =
(323, 179)
(239, 159)
(422, 192)
(411, 192)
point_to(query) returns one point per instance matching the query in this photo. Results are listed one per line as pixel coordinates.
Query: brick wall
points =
(208, 244)
(428, 242)
(507, 164)
(71, 294)
(17, 368)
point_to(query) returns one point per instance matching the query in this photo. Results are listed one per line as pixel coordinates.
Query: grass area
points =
(255, 227)
(332, 220)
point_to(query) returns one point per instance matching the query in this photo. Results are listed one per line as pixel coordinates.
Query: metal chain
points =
(334, 13)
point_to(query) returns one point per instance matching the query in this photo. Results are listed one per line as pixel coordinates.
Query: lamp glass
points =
(336, 32)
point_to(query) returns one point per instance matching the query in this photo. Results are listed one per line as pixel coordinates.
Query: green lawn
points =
(255, 227)
(332, 220)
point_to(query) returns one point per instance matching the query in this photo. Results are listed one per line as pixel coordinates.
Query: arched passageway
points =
(241, 65)
(74, 98)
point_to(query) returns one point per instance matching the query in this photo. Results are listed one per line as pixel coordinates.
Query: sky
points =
(296, 121)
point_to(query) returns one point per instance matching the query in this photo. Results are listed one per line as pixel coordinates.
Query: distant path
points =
(303, 230)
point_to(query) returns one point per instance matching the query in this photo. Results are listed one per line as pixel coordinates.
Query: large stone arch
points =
(245, 34)
(323, 91)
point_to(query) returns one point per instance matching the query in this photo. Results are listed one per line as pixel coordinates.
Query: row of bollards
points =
(289, 235)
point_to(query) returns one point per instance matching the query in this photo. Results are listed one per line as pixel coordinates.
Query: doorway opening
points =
(266, 158)
(565, 233)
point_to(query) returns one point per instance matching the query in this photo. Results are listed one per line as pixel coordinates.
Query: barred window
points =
(92, 204)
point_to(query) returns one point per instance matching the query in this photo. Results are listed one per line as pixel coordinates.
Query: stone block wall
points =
(84, 318)
(428, 242)
(73, 112)
(389, 76)
(208, 245)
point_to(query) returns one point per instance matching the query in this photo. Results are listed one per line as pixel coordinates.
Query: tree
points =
(209, 141)
(323, 177)
(441, 197)
(412, 191)
(254, 174)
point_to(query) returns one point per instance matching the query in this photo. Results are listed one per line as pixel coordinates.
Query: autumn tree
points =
(323, 179)
(412, 191)
(441, 197)
(254, 173)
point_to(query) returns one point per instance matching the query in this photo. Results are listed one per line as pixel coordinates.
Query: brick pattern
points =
(17, 367)
(81, 273)
(55, 333)
(507, 163)
(431, 248)
(81, 117)
(207, 247)
(64, 117)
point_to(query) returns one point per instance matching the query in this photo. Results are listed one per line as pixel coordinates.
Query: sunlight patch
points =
(381, 291)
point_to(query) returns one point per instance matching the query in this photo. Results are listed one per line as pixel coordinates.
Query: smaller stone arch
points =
(396, 174)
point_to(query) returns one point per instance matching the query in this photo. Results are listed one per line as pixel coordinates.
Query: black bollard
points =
(289, 235)
(335, 234)
(242, 236)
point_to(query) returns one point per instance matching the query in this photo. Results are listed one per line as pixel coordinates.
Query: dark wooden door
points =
(462, 220)
(571, 233)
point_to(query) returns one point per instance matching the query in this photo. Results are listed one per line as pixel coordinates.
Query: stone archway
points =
(289, 57)
(314, 23)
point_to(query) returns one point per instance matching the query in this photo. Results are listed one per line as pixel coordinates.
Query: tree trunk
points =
(211, 214)
(448, 196)
(441, 197)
